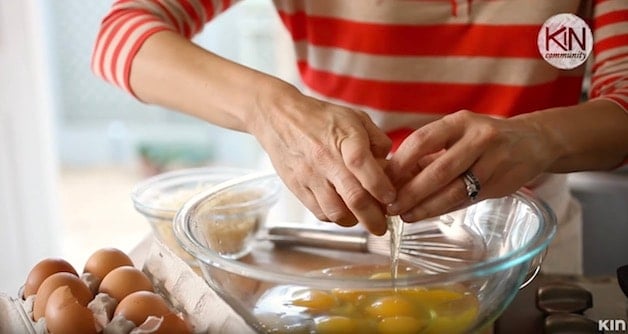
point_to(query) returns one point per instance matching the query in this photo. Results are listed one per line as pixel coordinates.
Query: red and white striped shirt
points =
(399, 59)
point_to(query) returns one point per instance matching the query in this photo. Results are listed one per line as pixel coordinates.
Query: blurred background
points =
(72, 146)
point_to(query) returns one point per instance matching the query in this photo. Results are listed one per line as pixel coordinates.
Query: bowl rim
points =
(537, 243)
(156, 211)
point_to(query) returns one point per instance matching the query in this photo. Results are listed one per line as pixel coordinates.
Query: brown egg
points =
(139, 305)
(42, 270)
(79, 290)
(123, 281)
(173, 324)
(65, 314)
(104, 260)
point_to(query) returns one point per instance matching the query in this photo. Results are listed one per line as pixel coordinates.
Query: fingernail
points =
(413, 216)
(408, 217)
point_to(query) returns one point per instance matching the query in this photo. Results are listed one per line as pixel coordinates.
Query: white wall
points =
(28, 211)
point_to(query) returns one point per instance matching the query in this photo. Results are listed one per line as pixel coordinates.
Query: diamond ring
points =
(472, 183)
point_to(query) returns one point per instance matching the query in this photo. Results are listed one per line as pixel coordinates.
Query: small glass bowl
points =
(160, 197)
(228, 221)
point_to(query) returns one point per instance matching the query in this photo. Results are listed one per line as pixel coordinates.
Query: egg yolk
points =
(314, 300)
(453, 316)
(401, 325)
(408, 310)
(336, 324)
(390, 306)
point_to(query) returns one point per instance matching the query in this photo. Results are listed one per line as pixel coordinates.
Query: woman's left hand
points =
(429, 166)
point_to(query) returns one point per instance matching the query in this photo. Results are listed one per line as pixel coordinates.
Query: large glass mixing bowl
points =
(466, 268)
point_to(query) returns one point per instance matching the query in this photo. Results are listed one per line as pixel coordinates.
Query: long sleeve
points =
(609, 79)
(130, 22)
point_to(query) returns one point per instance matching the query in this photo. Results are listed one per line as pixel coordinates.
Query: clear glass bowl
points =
(159, 198)
(303, 289)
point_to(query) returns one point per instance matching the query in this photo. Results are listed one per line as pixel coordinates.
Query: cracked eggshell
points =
(78, 287)
(65, 314)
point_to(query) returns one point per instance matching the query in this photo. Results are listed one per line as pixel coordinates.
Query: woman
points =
(396, 75)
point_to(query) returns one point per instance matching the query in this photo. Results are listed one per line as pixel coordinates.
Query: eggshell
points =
(65, 314)
(122, 281)
(139, 305)
(104, 260)
(79, 290)
(42, 270)
(171, 323)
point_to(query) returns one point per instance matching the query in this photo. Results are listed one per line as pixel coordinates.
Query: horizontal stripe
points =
(610, 18)
(611, 61)
(177, 11)
(612, 68)
(455, 40)
(399, 57)
(387, 120)
(410, 12)
(174, 21)
(111, 59)
(133, 51)
(610, 43)
(494, 99)
(605, 7)
(610, 53)
(611, 30)
(195, 23)
(600, 84)
(122, 57)
(106, 34)
(459, 69)
(129, 36)
(116, 33)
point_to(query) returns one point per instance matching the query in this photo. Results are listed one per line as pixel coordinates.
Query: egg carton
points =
(13, 316)
(186, 290)
(175, 280)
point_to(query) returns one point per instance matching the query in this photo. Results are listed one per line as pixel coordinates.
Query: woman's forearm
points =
(589, 136)
(171, 71)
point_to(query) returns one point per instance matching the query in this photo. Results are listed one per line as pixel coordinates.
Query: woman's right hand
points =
(331, 157)
(326, 154)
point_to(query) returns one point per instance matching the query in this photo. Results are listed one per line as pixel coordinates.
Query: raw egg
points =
(123, 281)
(65, 314)
(139, 305)
(42, 270)
(78, 288)
(104, 260)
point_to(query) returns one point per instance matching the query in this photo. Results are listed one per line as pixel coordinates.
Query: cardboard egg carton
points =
(184, 288)
(187, 291)
(13, 317)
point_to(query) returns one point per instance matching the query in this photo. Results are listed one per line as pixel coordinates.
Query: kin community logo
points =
(565, 41)
(612, 325)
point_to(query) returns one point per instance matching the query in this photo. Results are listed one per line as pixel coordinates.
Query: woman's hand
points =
(428, 168)
(329, 156)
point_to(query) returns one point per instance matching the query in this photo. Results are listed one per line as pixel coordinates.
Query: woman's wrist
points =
(271, 98)
(588, 136)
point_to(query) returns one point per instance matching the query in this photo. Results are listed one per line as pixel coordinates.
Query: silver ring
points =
(472, 183)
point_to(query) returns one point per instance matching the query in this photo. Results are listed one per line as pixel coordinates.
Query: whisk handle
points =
(318, 238)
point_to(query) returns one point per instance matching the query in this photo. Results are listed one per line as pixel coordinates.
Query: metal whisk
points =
(435, 246)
